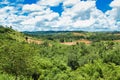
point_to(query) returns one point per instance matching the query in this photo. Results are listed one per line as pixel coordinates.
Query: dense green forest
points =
(51, 60)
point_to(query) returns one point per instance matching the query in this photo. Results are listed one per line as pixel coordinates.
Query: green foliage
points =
(6, 77)
(51, 60)
(7, 33)
(99, 71)
(4, 30)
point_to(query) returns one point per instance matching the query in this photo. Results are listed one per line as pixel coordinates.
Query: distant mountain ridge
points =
(58, 32)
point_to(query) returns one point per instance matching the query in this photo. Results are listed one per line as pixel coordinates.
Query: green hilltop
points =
(7, 33)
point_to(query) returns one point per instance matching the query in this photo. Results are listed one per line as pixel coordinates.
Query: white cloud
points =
(50, 2)
(69, 3)
(115, 3)
(114, 15)
(83, 6)
(32, 7)
(64, 22)
(39, 19)
(4, 2)
(115, 12)
(77, 15)
(84, 23)
(4, 14)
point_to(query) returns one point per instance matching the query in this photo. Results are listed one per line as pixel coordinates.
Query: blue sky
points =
(59, 15)
(30, 1)
(103, 5)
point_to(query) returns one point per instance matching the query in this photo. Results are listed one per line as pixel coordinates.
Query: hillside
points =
(10, 34)
(46, 57)
(7, 33)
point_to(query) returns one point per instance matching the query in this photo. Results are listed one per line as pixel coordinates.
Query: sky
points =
(61, 15)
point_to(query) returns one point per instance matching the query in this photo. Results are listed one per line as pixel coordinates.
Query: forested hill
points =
(7, 33)
(53, 60)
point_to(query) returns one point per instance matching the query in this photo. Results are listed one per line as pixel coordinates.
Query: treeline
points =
(53, 61)
(59, 36)
(104, 36)
(69, 36)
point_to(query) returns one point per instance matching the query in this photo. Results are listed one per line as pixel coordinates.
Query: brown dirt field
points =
(117, 34)
(85, 41)
(116, 40)
(30, 40)
(78, 34)
(79, 41)
(69, 43)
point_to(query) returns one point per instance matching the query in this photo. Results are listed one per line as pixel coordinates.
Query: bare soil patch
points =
(84, 41)
(118, 34)
(116, 40)
(69, 43)
(78, 41)
(78, 34)
(36, 41)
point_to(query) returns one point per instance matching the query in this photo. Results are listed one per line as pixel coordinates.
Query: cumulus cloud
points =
(115, 3)
(77, 15)
(80, 14)
(116, 9)
(84, 23)
(70, 3)
(32, 7)
(5, 14)
(4, 2)
(49, 2)
(114, 15)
